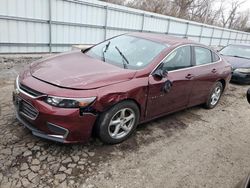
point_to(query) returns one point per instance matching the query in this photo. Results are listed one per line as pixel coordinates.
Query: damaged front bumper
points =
(56, 124)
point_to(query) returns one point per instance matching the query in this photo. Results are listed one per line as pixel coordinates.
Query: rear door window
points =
(202, 55)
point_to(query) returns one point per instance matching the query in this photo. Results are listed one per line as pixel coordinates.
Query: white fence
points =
(28, 26)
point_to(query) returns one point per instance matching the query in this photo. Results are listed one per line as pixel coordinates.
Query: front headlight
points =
(243, 70)
(69, 102)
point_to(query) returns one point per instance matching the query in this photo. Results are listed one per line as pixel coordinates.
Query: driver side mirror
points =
(160, 73)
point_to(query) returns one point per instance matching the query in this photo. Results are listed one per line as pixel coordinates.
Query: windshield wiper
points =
(105, 50)
(240, 57)
(125, 65)
(235, 56)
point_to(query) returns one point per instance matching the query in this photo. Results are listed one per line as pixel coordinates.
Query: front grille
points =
(30, 91)
(27, 110)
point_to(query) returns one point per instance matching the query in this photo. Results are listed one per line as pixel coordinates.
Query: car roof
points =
(163, 38)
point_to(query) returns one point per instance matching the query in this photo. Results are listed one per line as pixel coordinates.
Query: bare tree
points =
(156, 6)
(202, 11)
(183, 7)
(229, 18)
(118, 2)
(241, 22)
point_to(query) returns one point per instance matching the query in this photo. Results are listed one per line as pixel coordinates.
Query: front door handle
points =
(214, 71)
(189, 76)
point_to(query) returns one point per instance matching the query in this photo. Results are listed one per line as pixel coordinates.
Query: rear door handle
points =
(189, 76)
(214, 71)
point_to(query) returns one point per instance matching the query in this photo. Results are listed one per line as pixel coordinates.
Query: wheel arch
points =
(223, 82)
(123, 100)
(95, 127)
(135, 101)
(115, 102)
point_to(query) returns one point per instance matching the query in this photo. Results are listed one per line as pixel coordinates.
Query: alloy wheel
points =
(216, 96)
(121, 123)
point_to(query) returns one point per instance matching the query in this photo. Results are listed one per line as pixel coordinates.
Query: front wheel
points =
(118, 123)
(214, 96)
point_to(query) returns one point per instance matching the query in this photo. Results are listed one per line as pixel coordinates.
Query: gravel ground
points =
(191, 148)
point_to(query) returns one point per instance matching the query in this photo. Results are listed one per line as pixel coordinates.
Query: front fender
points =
(135, 90)
(111, 99)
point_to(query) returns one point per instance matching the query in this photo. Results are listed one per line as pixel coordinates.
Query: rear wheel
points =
(214, 96)
(118, 123)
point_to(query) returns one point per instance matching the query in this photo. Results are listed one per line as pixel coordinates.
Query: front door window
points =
(178, 59)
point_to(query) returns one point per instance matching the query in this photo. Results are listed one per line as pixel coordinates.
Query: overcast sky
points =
(227, 4)
(244, 6)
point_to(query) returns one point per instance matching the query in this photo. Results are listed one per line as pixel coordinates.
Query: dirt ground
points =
(192, 148)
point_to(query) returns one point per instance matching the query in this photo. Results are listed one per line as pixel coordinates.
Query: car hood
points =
(76, 70)
(237, 62)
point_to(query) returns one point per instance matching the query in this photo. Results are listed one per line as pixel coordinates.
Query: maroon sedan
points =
(111, 87)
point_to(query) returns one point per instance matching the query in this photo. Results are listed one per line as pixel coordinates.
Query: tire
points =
(214, 96)
(123, 116)
(248, 96)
